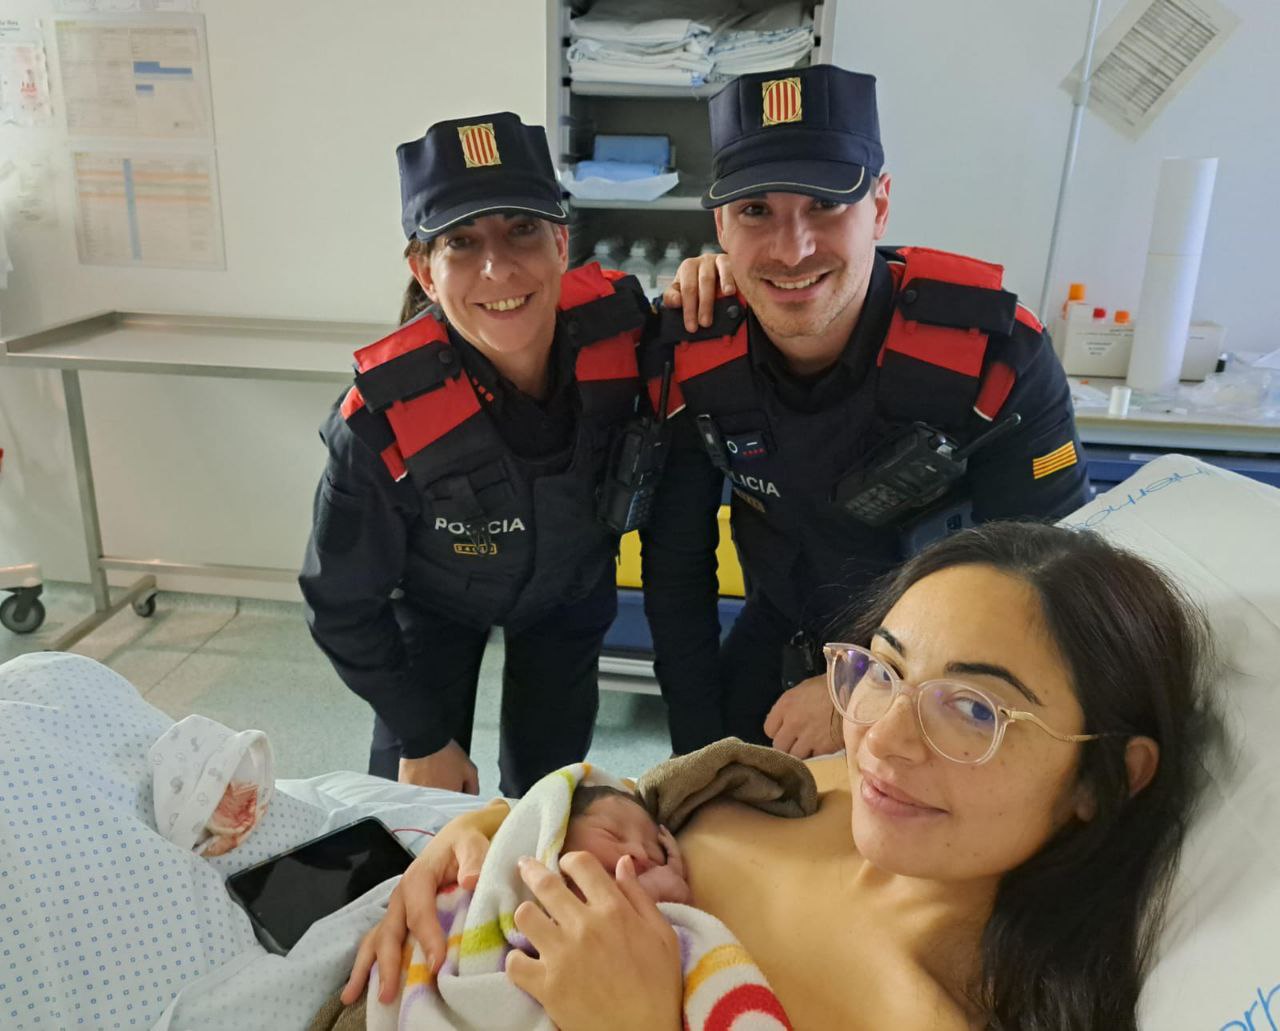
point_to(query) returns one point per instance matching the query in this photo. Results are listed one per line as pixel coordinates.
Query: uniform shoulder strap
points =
(372, 429)
(932, 363)
(414, 359)
(413, 377)
(603, 314)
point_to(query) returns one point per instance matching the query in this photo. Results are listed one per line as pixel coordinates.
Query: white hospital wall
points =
(975, 128)
(310, 100)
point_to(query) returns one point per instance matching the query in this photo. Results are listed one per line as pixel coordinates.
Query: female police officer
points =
(466, 465)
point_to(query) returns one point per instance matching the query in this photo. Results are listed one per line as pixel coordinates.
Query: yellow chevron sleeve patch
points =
(1060, 458)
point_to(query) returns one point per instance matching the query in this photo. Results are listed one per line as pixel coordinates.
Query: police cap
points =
(802, 130)
(467, 168)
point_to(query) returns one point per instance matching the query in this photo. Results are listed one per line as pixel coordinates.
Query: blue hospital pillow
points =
(1218, 534)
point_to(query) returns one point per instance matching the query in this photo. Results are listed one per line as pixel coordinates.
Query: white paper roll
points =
(1182, 205)
(1173, 266)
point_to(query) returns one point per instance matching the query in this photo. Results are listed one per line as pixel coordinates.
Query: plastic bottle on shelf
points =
(668, 266)
(603, 253)
(639, 265)
(1073, 308)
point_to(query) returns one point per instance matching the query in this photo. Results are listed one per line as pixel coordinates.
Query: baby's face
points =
(612, 828)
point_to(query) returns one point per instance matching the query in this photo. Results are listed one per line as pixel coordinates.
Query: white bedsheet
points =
(104, 923)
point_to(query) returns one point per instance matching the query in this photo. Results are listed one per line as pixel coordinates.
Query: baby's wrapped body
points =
(471, 989)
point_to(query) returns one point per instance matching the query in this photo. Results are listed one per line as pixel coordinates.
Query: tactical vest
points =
(933, 366)
(502, 540)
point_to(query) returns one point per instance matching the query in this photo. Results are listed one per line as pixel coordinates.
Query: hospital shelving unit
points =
(180, 345)
(576, 111)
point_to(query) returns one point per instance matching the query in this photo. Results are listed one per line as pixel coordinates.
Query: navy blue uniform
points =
(804, 559)
(398, 636)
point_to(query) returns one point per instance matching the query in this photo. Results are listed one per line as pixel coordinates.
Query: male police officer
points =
(855, 400)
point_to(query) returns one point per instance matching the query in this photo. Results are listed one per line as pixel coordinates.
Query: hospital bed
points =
(103, 923)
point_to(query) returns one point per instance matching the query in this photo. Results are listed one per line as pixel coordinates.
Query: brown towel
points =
(333, 1016)
(764, 778)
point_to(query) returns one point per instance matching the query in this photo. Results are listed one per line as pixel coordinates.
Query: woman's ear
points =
(420, 269)
(561, 234)
(1141, 759)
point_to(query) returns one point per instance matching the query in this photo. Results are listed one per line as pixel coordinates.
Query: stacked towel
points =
(471, 989)
(667, 48)
(779, 37)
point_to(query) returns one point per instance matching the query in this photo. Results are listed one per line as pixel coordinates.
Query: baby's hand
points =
(667, 883)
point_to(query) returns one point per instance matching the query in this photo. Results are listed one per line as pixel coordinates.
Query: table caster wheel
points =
(21, 615)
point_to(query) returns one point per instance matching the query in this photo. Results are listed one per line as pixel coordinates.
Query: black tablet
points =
(286, 894)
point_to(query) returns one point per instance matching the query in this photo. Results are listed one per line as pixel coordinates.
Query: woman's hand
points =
(694, 288)
(453, 856)
(450, 768)
(611, 951)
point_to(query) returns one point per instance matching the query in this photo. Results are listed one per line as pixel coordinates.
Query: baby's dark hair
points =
(585, 797)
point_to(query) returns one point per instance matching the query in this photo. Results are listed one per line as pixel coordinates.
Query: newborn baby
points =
(574, 809)
(611, 823)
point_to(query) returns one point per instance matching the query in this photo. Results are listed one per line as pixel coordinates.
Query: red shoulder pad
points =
(420, 332)
(614, 358)
(352, 403)
(369, 427)
(950, 268)
(699, 356)
(1028, 318)
(422, 420)
(585, 283)
(959, 350)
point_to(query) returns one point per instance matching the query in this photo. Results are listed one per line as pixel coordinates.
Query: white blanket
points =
(103, 922)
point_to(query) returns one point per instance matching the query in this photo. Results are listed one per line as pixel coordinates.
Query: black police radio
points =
(909, 471)
(625, 499)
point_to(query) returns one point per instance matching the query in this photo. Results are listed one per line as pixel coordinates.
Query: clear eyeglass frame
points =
(1003, 713)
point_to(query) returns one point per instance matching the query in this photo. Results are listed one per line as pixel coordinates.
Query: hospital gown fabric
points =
(102, 921)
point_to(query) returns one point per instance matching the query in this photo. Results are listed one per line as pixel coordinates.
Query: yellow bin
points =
(729, 572)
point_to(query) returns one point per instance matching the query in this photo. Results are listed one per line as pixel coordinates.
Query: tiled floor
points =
(252, 664)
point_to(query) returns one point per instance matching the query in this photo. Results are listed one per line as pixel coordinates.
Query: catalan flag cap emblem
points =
(812, 131)
(1055, 461)
(467, 168)
(479, 145)
(782, 101)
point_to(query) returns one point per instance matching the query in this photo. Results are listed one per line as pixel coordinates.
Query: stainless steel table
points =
(180, 345)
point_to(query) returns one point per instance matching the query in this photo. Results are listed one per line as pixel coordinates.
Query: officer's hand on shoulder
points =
(449, 768)
(694, 288)
(803, 721)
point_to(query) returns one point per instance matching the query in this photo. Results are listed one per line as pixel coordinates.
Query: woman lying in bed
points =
(1023, 720)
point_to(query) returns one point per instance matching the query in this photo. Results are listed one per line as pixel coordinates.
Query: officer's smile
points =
(505, 304)
(795, 289)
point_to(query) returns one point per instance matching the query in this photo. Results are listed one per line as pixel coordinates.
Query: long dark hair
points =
(1071, 934)
(415, 300)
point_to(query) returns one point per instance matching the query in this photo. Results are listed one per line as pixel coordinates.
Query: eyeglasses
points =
(959, 721)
